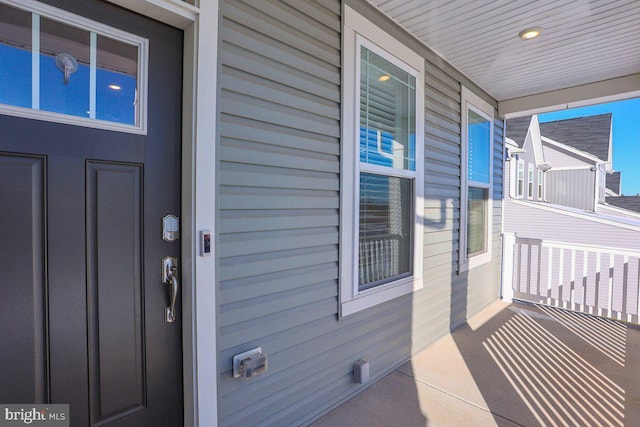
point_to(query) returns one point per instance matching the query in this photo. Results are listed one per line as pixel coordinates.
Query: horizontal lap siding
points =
(449, 298)
(278, 198)
(279, 220)
(560, 226)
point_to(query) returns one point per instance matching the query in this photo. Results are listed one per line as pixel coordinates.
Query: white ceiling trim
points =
(578, 96)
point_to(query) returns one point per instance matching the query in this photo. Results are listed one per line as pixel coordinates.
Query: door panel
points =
(114, 288)
(81, 211)
(23, 285)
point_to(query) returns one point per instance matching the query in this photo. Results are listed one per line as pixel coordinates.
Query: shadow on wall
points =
(395, 400)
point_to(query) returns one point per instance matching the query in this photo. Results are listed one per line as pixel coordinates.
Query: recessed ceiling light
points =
(114, 87)
(530, 33)
(384, 77)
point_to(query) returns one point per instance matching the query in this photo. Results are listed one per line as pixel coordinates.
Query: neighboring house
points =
(631, 203)
(565, 162)
(563, 222)
(276, 203)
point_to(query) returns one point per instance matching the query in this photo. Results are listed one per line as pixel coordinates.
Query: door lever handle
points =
(170, 277)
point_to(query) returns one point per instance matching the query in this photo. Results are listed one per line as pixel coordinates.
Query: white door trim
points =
(199, 135)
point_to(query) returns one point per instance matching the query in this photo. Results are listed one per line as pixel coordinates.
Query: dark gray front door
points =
(81, 296)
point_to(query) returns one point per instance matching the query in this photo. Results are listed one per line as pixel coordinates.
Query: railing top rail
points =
(581, 247)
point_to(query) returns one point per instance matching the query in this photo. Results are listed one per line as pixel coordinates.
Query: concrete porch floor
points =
(511, 365)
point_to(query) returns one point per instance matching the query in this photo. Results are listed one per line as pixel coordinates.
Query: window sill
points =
(475, 261)
(371, 297)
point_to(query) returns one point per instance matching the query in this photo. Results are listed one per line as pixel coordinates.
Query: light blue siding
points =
(278, 217)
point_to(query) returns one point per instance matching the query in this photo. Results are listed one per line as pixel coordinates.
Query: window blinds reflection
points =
(476, 242)
(385, 229)
(387, 113)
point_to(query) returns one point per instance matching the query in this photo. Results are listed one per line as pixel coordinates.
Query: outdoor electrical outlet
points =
(249, 364)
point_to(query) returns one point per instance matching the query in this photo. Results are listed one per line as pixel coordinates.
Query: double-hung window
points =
(382, 161)
(477, 180)
(530, 176)
(520, 179)
(540, 185)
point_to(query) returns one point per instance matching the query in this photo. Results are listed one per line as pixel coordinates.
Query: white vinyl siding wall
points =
(571, 187)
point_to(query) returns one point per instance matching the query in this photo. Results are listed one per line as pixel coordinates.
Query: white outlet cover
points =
(238, 357)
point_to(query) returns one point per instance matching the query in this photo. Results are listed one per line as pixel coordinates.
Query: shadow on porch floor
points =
(511, 364)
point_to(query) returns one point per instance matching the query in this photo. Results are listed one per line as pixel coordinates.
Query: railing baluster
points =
(638, 292)
(625, 289)
(549, 275)
(599, 280)
(610, 290)
(559, 302)
(596, 302)
(572, 295)
(585, 272)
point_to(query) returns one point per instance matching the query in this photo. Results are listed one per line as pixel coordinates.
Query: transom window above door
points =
(61, 67)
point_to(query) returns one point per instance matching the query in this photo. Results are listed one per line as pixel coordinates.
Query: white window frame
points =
(470, 100)
(358, 31)
(520, 179)
(540, 185)
(530, 181)
(94, 28)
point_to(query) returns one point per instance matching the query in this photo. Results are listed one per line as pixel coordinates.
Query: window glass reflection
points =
(15, 57)
(479, 135)
(116, 81)
(387, 113)
(105, 76)
(477, 224)
(385, 229)
(55, 95)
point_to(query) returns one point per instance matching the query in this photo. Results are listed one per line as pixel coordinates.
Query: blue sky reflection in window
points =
(116, 70)
(15, 57)
(479, 131)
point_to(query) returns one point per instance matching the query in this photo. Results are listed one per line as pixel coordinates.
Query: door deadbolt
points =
(170, 228)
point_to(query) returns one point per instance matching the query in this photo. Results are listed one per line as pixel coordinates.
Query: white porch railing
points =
(598, 280)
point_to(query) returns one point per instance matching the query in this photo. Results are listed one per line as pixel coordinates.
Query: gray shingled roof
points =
(589, 134)
(517, 129)
(631, 203)
(613, 182)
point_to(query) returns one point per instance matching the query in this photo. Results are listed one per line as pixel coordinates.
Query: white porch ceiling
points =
(583, 42)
